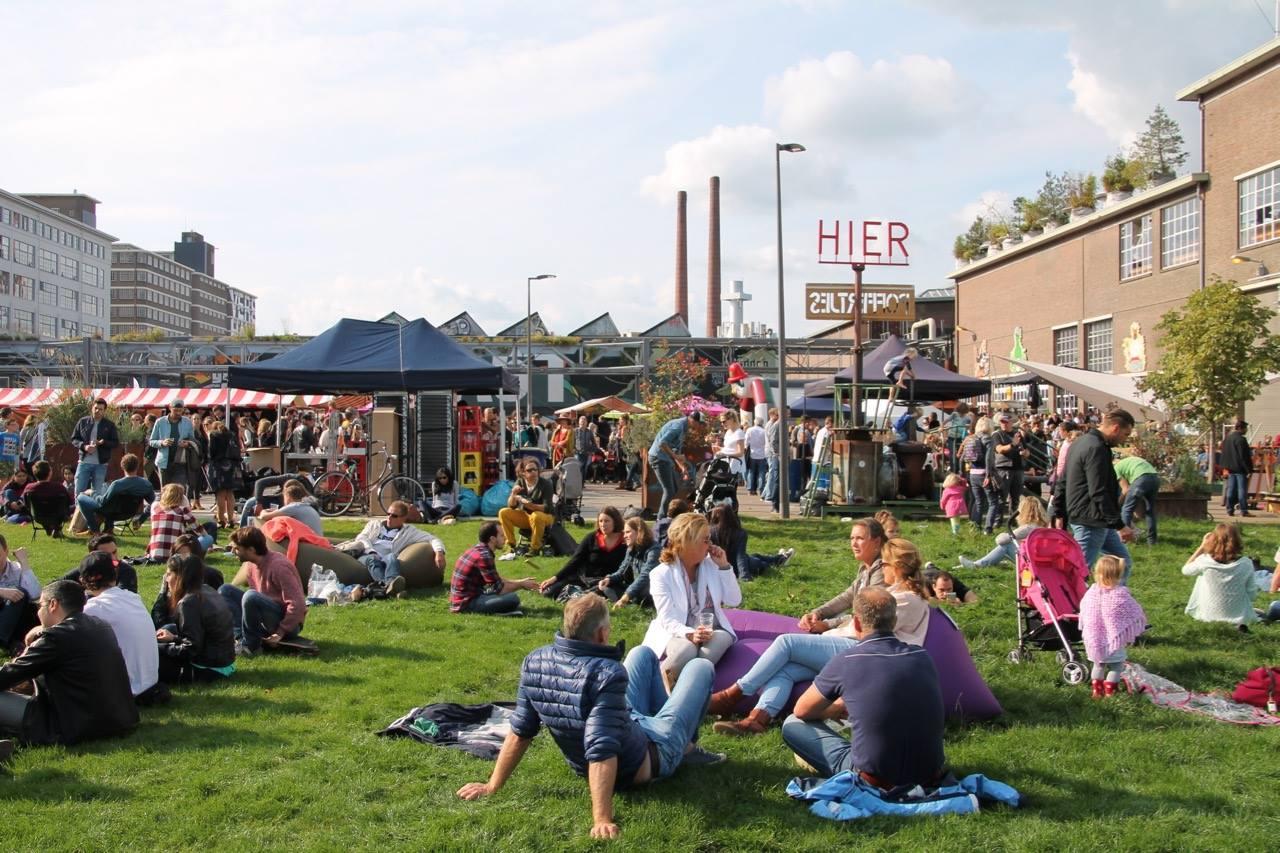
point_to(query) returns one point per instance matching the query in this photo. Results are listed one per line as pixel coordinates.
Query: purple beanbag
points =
(964, 693)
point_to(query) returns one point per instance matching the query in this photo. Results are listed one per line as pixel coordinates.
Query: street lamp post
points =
(784, 494)
(528, 340)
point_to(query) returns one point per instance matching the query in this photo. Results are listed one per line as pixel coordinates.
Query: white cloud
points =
(880, 104)
(743, 157)
(990, 200)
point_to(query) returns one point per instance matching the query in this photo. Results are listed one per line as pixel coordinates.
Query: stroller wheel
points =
(1019, 656)
(1074, 673)
(1063, 657)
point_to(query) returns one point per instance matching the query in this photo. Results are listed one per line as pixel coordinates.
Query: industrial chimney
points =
(713, 261)
(682, 255)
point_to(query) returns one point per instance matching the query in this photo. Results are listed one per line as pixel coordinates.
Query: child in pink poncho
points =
(1110, 620)
(952, 501)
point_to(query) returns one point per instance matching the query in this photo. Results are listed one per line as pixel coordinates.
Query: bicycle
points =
(336, 490)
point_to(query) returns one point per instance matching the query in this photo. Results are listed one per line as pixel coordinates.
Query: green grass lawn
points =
(284, 755)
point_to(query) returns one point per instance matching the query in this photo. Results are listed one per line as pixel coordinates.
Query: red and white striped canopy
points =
(155, 398)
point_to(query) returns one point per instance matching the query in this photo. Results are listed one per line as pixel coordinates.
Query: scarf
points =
(1110, 620)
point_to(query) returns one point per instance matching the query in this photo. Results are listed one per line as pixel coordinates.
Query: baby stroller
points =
(1051, 581)
(567, 502)
(716, 484)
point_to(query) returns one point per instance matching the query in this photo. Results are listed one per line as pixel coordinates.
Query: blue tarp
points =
(359, 355)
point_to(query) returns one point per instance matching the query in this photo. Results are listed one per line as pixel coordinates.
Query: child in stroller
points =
(716, 484)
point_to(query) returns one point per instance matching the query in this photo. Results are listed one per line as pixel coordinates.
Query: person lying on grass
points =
(613, 721)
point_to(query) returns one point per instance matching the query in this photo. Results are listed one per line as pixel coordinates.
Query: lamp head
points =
(792, 147)
(541, 277)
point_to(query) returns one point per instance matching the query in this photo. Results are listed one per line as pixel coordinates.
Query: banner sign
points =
(872, 242)
(890, 302)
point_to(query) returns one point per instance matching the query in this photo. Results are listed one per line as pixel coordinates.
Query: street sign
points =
(872, 242)
(879, 302)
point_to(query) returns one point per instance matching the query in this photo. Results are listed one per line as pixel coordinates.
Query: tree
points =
(1052, 198)
(1159, 147)
(969, 244)
(675, 376)
(1216, 353)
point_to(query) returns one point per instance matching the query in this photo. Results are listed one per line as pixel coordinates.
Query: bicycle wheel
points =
(335, 491)
(401, 489)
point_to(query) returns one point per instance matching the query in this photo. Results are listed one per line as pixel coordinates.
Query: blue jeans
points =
(818, 744)
(89, 507)
(382, 571)
(796, 477)
(1237, 492)
(756, 470)
(1000, 553)
(1102, 540)
(953, 450)
(253, 615)
(1142, 490)
(87, 471)
(489, 604)
(665, 472)
(789, 659)
(978, 500)
(770, 492)
(671, 722)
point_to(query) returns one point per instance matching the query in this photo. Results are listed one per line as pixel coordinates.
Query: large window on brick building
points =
(1259, 215)
(1180, 233)
(1098, 346)
(1135, 247)
(1066, 353)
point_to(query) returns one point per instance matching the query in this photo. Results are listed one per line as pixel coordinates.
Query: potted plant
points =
(1116, 180)
(1183, 490)
(1082, 195)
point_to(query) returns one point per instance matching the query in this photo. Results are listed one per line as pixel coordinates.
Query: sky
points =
(351, 159)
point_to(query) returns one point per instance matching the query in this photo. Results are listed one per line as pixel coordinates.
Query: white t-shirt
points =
(135, 632)
(820, 442)
(756, 442)
(385, 540)
(733, 441)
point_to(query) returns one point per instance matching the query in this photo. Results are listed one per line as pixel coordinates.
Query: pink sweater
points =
(952, 501)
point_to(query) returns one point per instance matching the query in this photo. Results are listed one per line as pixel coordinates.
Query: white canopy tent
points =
(1098, 389)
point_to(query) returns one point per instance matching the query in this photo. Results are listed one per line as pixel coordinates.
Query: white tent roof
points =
(1098, 389)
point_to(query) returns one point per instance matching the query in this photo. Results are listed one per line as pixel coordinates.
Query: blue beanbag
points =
(495, 497)
(470, 501)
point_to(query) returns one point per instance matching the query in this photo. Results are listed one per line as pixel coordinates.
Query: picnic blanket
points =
(477, 730)
(847, 797)
(1163, 692)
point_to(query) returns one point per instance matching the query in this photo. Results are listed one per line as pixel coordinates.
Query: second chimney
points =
(713, 261)
(682, 255)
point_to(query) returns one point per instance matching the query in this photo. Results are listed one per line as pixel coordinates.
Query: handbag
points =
(1258, 689)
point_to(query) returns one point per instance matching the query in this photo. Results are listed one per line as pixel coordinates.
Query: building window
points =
(1258, 210)
(1135, 247)
(1180, 233)
(1066, 347)
(91, 305)
(1098, 346)
(48, 328)
(48, 293)
(24, 287)
(69, 299)
(48, 261)
(24, 321)
(4, 247)
(70, 329)
(24, 253)
(68, 267)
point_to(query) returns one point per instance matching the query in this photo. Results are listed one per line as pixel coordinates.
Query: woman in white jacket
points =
(689, 586)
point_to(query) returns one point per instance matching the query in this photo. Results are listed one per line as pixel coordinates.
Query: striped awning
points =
(155, 398)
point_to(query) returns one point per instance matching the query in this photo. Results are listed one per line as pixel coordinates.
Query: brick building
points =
(1089, 293)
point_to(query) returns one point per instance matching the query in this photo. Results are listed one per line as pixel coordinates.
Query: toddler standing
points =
(1110, 620)
(952, 501)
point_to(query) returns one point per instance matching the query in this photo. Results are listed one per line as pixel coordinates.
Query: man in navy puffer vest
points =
(613, 721)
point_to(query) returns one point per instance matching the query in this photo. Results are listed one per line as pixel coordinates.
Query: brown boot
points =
(752, 724)
(724, 701)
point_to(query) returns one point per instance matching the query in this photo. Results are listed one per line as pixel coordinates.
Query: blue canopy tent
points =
(817, 407)
(360, 355)
(932, 382)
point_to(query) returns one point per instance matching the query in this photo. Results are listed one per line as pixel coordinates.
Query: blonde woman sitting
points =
(1031, 515)
(693, 580)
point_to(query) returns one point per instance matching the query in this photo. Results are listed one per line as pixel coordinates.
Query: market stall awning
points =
(29, 398)
(600, 405)
(1098, 389)
(932, 382)
(156, 398)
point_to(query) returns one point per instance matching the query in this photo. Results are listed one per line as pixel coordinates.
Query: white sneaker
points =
(966, 563)
(510, 555)
(786, 554)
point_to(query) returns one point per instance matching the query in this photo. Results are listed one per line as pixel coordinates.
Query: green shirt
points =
(1131, 468)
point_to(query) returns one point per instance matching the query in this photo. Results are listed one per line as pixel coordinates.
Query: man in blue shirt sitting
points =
(131, 485)
(666, 454)
(889, 691)
(613, 721)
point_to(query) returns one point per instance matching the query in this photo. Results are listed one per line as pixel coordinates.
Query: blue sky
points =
(352, 159)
